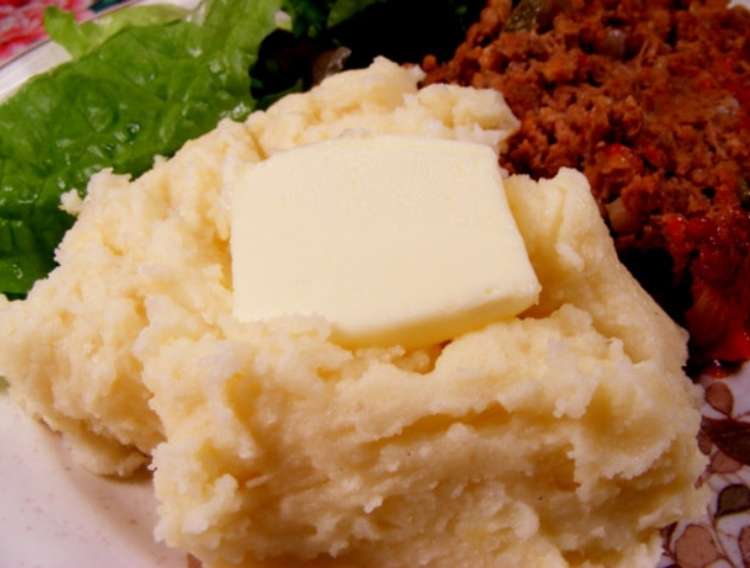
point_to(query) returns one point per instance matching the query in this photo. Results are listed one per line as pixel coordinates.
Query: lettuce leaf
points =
(313, 17)
(145, 91)
(79, 39)
(342, 10)
(308, 16)
(402, 30)
(412, 20)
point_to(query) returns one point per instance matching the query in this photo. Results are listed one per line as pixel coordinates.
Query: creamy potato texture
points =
(564, 437)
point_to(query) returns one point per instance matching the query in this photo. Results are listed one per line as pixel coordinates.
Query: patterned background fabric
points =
(21, 21)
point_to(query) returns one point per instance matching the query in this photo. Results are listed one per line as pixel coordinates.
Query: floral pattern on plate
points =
(721, 539)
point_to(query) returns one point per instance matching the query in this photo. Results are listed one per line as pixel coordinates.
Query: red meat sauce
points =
(651, 100)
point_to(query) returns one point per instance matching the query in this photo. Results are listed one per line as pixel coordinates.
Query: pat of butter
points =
(394, 240)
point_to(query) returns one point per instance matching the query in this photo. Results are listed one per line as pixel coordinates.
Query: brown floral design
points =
(721, 539)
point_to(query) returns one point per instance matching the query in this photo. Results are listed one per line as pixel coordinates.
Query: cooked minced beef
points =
(651, 99)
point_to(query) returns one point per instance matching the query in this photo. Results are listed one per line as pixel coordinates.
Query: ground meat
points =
(651, 99)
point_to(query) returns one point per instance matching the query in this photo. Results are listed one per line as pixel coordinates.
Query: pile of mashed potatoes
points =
(565, 437)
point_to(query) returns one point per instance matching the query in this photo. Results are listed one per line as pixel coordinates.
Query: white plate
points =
(54, 514)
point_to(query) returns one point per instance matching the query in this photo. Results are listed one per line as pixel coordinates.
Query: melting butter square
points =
(393, 240)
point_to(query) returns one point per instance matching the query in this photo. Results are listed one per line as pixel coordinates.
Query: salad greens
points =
(146, 79)
(342, 10)
(402, 30)
(79, 39)
(313, 17)
(143, 92)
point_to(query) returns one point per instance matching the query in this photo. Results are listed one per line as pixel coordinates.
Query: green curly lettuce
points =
(412, 20)
(143, 92)
(79, 39)
(342, 10)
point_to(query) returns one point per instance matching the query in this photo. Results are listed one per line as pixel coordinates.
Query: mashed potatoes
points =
(565, 437)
